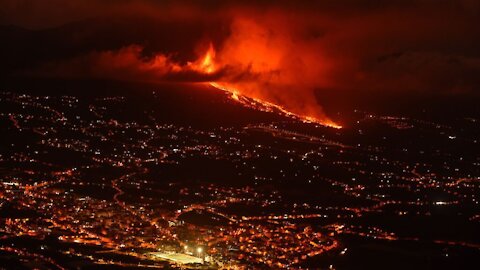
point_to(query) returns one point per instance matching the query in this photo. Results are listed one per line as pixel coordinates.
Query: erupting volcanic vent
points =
(207, 65)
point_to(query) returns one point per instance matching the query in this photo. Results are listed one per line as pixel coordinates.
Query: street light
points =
(201, 254)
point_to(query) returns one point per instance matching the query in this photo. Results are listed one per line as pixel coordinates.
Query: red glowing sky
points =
(285, 53)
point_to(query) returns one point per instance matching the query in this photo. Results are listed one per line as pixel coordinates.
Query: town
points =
(86, 181)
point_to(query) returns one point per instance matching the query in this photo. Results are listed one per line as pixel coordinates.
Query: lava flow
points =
(207, 65)
(266, 106)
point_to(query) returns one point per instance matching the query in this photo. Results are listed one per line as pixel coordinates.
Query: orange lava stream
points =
(266, 106)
